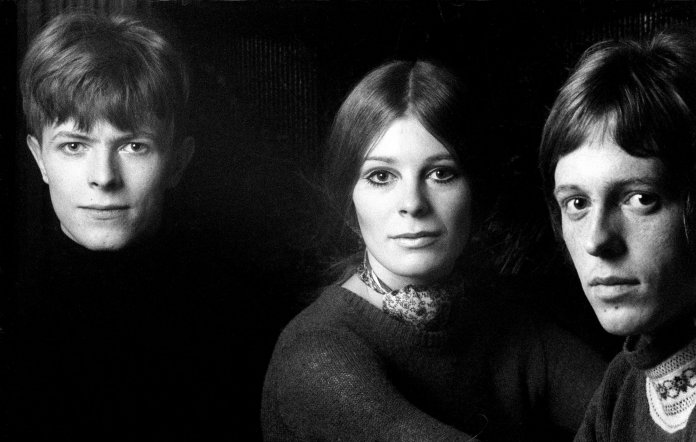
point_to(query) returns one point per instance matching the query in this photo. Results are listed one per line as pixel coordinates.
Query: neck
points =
(355, 285)
(392, 281)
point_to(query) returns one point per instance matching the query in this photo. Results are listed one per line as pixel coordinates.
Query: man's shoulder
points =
(621, 374)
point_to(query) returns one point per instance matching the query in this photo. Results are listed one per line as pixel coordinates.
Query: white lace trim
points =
(671, 389)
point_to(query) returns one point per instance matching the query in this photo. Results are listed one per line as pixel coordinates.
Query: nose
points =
(604, 236)
(104, 171)
(414, 200)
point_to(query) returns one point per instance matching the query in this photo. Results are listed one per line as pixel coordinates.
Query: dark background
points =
(268, 77)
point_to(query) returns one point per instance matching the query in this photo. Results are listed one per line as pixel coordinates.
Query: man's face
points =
(107, 186)
(624, 232)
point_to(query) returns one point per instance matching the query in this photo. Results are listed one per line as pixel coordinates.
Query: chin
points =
(105, 245)
(103, 241)
(619, 329)
(423, 272)
(622, 324)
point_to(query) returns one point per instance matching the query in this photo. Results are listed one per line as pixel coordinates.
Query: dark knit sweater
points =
(620, 408)
(344, 370)
(138, 344)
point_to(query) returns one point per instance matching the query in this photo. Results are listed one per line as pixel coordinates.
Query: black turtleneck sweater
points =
(137, 344)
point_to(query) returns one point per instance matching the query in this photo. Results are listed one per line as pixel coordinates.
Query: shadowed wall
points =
(268, 77)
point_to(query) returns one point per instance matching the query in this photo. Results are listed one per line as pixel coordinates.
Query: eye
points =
(575, 206)
(72, 148)
(137, 148)
(443, 174)
(643, 202)
(380, 177)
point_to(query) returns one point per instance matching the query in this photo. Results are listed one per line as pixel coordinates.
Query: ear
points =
(35, 149)
(182, 157)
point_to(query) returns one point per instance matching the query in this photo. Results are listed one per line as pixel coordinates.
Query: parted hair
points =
(422, 90)
(640, 95)
(87, 67)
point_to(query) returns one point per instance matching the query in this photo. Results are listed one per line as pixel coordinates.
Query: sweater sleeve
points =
(573, 372)
(329, 385)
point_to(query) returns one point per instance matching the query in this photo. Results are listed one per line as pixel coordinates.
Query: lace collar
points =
(671, 389)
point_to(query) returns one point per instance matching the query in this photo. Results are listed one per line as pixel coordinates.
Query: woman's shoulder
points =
(328, 309)
(330, 317)
(320, 340)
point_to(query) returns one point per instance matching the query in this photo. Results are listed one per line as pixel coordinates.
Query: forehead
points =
(599, 164)
(406, 140)
(104, 129)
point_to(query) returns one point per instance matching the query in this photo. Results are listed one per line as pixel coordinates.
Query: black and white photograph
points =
(348, 220)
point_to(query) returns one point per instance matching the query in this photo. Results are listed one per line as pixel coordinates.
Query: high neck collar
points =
(671, 389)
(424, 307)
(368, 320)
(61, 244)
(647, 351)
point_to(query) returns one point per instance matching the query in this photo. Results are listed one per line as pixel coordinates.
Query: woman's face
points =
(413, 206)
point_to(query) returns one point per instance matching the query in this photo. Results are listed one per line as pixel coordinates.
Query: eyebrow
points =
(565, 188)
(70, 134)
(82, 137)
(392, 160)
(621, 183)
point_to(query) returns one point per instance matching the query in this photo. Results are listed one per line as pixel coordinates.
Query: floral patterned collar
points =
(425, 307)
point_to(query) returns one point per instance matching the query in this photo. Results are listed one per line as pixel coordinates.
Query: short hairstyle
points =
(639, 94)
(423, 90)
(89, 67)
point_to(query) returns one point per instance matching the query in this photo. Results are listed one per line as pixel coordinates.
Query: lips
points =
(612, 280)
(416, 240)
(613, 289)
(105, 211)
(416, 235)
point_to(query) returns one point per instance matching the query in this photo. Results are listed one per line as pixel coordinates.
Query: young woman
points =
(407, 345)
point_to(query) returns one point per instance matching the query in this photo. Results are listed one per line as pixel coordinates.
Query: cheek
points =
(458, 214)
(64, 182)
(573, 243)
(147, 181)
(367, 209)
(571, 237)
(461, 222)
(369, 225)
(661, 248)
